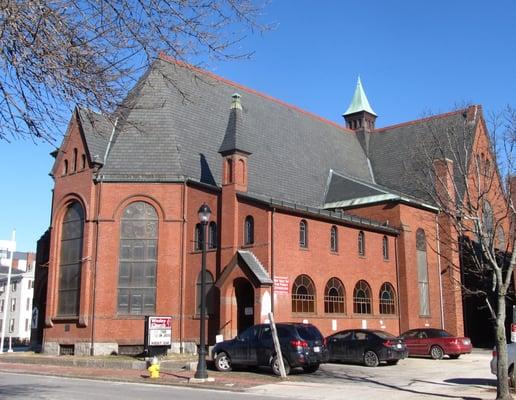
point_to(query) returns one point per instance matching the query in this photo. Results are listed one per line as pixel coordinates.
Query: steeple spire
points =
(359, 116)
(359, 101)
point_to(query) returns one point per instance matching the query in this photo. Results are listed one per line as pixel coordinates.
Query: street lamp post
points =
(204, 216)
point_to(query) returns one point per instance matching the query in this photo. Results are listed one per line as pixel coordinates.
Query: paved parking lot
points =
(469, 377)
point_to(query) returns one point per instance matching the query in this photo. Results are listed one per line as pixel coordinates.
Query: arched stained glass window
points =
(70, 261)
(138, 259)
(303, 295)
(387, 299)
(334, 297)
(362, 298)
(422, 273)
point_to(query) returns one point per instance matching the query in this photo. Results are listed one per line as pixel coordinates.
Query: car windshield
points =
(309, 332)
(384, 335)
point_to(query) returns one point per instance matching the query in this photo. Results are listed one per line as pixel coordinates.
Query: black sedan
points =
(366, 346)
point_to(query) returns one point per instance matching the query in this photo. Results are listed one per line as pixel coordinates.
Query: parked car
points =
(366, 346)
(436, 343)
(302, 345)
(511, 363)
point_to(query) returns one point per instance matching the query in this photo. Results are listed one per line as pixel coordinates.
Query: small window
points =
(249, 230)
(11, 325)
(387, 299)
(28, 304)
(83, 161)
(361, 243)
(303, 234)
(13, 304)
(385, 246)
(65, 167)
(334, 240)
(2, 304)
(15, 286)
(212, 235)
(198, 237)
(362, 298)
(229, 170)
(26, 324)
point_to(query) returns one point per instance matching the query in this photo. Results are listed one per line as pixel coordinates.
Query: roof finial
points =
(235, 103)
(359, 101)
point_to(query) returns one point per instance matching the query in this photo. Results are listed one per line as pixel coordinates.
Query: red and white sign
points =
(160, 331)
(281, 284)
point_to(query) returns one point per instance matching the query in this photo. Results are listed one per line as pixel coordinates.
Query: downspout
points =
(439, 268)
(97, 216)
(272, 260)
(397, 282)
(182, 270)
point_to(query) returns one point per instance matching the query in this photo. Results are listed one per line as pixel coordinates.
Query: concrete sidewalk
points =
(174, 370)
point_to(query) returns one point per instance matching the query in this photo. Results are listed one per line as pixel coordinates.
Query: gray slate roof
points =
(255, 266)
(177, 119)
(177, 122)
(401, 156)
(97, 131)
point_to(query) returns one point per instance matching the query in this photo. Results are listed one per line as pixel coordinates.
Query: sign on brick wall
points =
(281, 284)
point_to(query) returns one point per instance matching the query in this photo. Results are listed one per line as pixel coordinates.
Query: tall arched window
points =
(212, 235)
(362, 298)
(501, 238)
(83, 161)
(198, 233)
(387, 299)
(488, 219)
(334, 297)
(249, 230)
(334, 239)
(229, 170)
(303, 295)
(210, 290)
(303, 234)
(385, 248)
(422, 273)
(361, 243)
(65, 167)
(138, 259)
(70, 261)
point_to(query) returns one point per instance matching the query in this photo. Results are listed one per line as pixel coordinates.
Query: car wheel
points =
(311, 368)
(371, 359)
(512, 376)
(392, 362)
(437, 353)
(223, 362)
(454, 356)
(276, 366)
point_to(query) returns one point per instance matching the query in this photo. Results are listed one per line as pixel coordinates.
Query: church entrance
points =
(244, 294)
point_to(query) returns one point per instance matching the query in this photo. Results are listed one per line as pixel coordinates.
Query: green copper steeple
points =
(359, 102)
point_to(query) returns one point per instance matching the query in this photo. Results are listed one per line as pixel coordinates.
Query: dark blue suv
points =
(302, 345)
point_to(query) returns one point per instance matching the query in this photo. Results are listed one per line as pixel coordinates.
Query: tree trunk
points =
(502, 383)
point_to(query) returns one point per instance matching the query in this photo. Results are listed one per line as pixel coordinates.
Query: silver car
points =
(511, 361)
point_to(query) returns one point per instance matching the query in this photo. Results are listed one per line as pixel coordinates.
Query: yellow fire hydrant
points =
(154, 368)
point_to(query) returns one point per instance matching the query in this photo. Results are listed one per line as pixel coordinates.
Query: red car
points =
(435, 343)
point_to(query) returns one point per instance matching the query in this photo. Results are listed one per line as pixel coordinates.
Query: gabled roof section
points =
(348, 192)
(97, 130)
(359, 101)
(401, 155)
(177, 119)
(251, 267)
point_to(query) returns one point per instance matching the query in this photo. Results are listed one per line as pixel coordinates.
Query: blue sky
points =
(414, 57)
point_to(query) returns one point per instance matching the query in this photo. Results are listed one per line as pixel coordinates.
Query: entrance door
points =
(244, 293)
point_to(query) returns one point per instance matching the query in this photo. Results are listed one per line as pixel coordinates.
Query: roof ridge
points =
(424, 119)
(167, 58)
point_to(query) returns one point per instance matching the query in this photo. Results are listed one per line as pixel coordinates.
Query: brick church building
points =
(312, 220)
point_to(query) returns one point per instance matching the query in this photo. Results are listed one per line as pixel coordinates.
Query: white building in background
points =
(16, 300)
